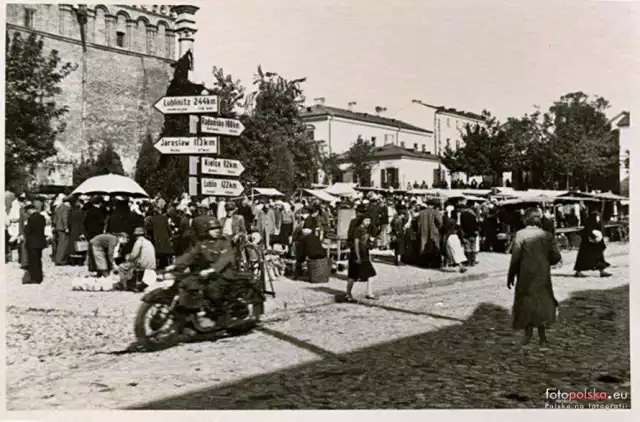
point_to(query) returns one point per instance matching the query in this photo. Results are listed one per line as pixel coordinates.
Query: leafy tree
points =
(282, 156)
(147, 165)
(360, 156)
(454, 160)
(106, 162)
(584, 147)
(33, 118)
(487, 149)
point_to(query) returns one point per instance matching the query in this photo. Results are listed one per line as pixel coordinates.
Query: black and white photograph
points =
(320, 205)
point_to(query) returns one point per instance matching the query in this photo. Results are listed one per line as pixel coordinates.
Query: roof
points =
(394, 151)
(322, 110)
(267, 192)
(321, 194)
(462, 113)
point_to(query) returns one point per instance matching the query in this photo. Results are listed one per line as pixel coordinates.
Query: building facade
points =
(450, 125)
(393, 166)
(339, 128)
(128, 57)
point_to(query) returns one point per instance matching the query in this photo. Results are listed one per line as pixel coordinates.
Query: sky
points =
(503, 56)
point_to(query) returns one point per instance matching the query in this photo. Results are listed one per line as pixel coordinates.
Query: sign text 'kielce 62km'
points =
(215, 166)
(189, 104)
(188, 145)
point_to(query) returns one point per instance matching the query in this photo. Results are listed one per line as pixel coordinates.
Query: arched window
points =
(121, 31)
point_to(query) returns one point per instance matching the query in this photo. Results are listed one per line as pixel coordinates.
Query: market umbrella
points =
(110, 184)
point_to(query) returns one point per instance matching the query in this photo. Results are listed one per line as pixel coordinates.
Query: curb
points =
(276, 315)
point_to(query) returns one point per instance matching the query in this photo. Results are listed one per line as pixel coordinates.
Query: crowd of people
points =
(107, 233)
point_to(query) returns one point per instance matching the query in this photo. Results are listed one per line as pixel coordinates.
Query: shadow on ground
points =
(474, 364)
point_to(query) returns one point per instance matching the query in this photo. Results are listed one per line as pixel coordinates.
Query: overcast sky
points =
(504, 56)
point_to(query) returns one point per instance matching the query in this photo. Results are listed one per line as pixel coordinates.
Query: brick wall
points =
(121, 91)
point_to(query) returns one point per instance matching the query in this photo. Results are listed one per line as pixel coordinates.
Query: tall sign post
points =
(202, 143)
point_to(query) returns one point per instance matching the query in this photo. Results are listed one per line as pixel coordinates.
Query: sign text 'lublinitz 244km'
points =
(190, 104)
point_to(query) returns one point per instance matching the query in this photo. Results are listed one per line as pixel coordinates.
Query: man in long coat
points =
(35, 242)
(62, 228)
(160, 235)
(429, 225)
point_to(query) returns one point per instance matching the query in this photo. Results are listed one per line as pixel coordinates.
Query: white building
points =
(340, 128)
(450, 125)
(397, 167)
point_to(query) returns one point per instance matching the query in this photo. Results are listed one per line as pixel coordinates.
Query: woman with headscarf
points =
(76, 230)
(360, 266)
(591, 252)
(286, 230)
(533, 253)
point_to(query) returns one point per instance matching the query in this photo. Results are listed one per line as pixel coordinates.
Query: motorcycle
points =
(167, 312)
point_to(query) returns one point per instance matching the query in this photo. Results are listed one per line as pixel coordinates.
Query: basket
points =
(81, 246)
(319, 270)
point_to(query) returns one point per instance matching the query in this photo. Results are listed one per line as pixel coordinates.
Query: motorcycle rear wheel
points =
(144, 338)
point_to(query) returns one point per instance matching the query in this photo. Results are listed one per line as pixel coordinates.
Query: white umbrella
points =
(110, 184)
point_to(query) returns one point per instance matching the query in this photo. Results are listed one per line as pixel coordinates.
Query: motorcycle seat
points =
(234, 275)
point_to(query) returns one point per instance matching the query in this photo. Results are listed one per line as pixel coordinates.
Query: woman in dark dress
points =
(76, 228)
(591, 253)
(398, 224)
(160, 235)
(360, 266)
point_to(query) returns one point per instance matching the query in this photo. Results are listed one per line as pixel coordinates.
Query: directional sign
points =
(216, 187)
(215, 166)
(220, 126)
(188, 145)
(190, 104)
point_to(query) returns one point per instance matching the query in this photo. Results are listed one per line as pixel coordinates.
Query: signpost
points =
(220, 126)
(189, 104)
(195, 145)
(215, 166)
(188, 145)
(215, 187)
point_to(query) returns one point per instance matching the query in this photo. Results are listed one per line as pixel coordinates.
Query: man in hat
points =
(103, 251)
(94, 218)
(233, 225)
(35, 241)
(141, 258)
(61, 228)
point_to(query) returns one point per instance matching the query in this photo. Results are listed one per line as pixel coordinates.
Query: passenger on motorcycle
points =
(212, 254)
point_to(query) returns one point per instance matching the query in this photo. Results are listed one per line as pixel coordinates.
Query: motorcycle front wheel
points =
(156, 327)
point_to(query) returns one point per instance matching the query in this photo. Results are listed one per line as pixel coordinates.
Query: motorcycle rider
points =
(211, 254)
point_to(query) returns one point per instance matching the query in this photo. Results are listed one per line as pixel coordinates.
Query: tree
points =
(360, 156)
(106, 162)
(584, 146)
(33, 118)
(487, 149)
(281, 154)
(454, 161)
(147, 165)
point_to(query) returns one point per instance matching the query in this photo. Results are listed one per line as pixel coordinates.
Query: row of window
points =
(29, 22)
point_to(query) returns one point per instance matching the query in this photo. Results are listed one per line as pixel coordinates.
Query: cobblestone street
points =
(446, 346)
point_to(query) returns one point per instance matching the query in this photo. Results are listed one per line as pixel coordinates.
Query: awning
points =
(266, 192)
(322, 194)
(342, 189)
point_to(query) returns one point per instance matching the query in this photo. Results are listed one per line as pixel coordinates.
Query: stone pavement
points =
(295, 295)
